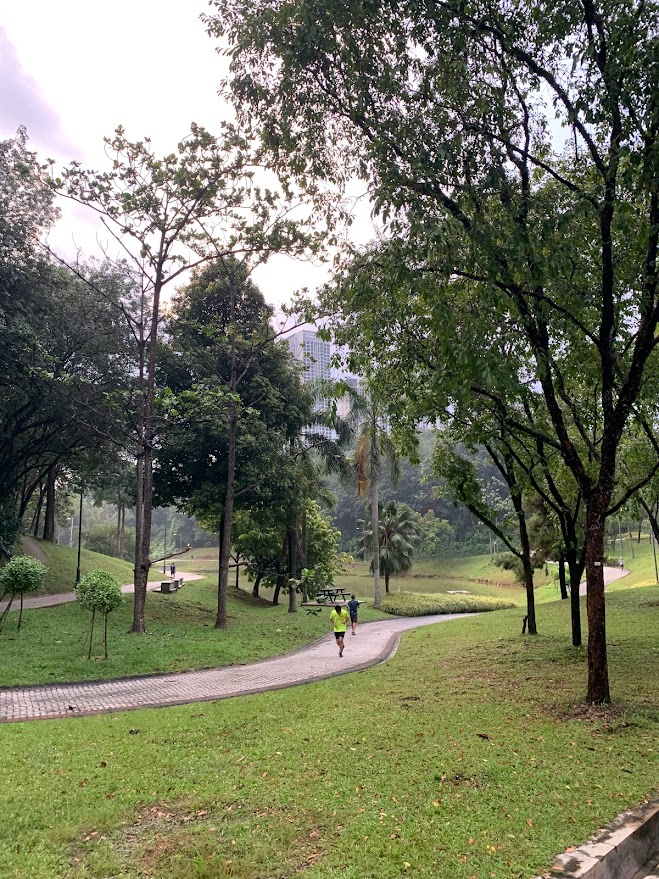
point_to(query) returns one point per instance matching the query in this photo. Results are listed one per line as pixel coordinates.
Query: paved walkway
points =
(66, 597)
(373, 643)
(610, 574)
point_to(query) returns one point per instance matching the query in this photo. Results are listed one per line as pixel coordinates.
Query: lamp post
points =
(164, 561)
(82, 491)
(622, 553)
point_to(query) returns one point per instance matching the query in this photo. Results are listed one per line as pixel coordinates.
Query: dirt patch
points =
(31, 547)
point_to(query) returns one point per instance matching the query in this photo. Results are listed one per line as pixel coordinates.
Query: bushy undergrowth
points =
(416, 604)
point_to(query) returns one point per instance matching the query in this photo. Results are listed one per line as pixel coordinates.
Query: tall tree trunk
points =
(237, 583)
(122, 531)
(278, 584)
(119, 530)
(225, 546)
(257, 583)
(292, 570)
(375, 527)
(36, 519)
(561, 575)
(303, 550)
(575, 566)
(386, 580)
(508, 471)
(631, 539)
(49, 517)
(598, 668)
(144, 469)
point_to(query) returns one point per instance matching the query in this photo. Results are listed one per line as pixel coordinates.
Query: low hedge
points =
(417, 604)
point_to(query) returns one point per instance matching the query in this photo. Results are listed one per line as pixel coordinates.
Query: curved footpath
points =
(67, 597)
(373, 643)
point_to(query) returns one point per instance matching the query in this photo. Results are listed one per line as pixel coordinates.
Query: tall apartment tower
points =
(307, 347)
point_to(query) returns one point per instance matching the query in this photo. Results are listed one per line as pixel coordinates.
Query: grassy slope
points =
(51, 644)
(464, 756)
(62, 562)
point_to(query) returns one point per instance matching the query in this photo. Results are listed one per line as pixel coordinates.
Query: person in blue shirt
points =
(353, 607)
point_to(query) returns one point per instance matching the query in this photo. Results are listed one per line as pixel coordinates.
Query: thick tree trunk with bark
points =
(598, 669)
(257, 583)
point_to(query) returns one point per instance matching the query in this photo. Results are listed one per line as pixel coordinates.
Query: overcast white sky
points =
(72, 71)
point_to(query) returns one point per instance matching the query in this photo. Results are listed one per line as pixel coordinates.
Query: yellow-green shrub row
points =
(416, 604)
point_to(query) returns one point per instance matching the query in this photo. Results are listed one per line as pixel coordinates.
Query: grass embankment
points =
(464, 756)
(50, 645)
(62, 562)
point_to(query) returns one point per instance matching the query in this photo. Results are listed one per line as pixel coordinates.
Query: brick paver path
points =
(373, 643)
(56, 598)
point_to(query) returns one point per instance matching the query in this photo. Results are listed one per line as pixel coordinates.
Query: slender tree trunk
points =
(303, 551)
(375, 526)
(278, 584)
(640, 526)
(386, 580)
(49, 517)
(598, 668)
(561, 575)
(119, 531)
(122, 532)
(508, 471)
(144, 499)
(8, 608)
(257, 583)
(292, 570)
(36, 519)
(91, 635)
(575, 566)
(20, 615)
(631, 539)
(105, 634)
(225, 546)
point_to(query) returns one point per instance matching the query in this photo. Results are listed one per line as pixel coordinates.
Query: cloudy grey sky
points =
(72, 71)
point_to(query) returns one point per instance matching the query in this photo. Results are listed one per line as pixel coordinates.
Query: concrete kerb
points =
(619, 851)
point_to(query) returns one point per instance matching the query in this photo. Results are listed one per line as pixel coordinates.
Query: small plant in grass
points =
(416, 604)
(21, 575)
(99, 591)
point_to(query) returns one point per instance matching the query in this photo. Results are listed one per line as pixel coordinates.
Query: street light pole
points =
(622, 553)
(82, 491)
(164, 561)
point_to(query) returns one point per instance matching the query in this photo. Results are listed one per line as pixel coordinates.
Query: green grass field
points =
(469, 754)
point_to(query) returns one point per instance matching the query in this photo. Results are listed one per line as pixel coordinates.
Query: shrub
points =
(20, 576)
(99, 591)
(416, 604)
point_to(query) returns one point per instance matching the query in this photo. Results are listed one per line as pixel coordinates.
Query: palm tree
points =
(374, 448)
(399, 534)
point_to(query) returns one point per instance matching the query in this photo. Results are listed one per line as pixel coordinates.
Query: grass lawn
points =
(51, 644)
(466, 755)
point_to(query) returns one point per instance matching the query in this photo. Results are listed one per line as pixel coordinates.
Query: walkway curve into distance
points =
(373, 644)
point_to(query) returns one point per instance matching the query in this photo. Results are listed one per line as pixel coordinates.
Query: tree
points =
(170, 214)
(238, 400)
(399, 533)
(515, 149)
(99, 591)
(374, 448)
(20, 576)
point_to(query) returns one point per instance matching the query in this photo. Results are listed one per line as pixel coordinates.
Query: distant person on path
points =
(353, 607)
(339, 619)
(172, 570)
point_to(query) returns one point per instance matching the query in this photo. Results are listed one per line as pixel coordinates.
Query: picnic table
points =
(331, 595)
